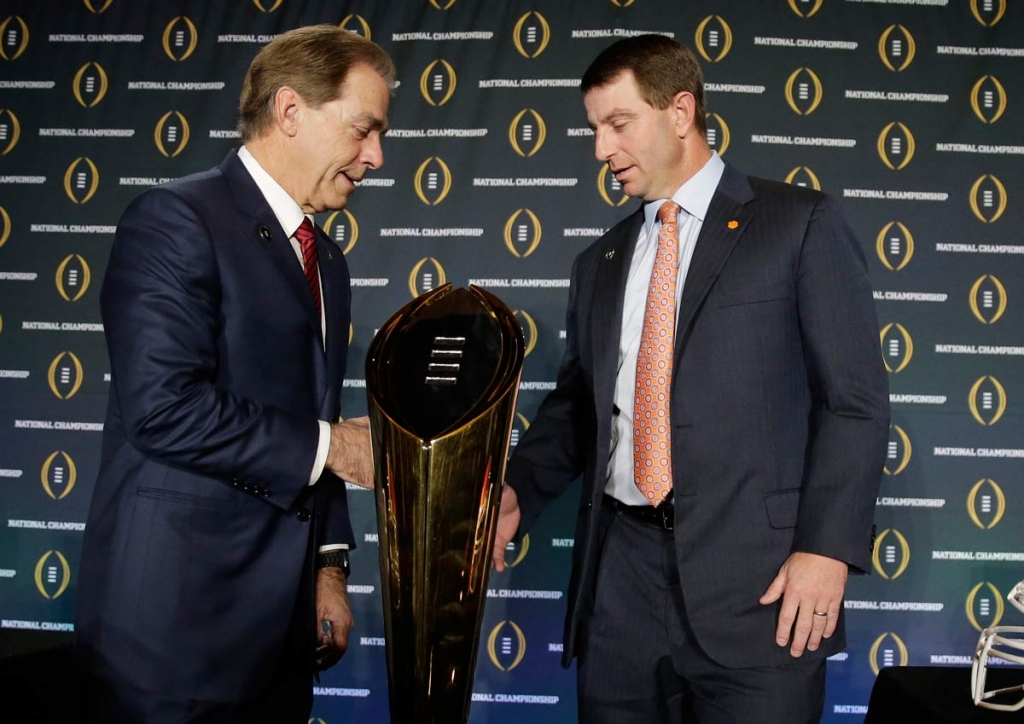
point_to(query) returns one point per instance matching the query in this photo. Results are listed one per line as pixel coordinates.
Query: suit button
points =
(590, 504)
(303, 515)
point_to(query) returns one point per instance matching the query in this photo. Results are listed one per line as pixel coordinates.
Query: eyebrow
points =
(612, 115)
(375, 123)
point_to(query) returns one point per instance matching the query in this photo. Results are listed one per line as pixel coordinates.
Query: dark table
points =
(937, 695)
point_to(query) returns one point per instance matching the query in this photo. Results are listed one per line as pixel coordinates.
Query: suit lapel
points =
(727, 218)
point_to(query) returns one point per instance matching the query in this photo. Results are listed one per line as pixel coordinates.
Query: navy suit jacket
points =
(202, 520)
(779, 409)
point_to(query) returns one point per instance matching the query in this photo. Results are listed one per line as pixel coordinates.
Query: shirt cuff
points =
(333, 547)
(321, 451)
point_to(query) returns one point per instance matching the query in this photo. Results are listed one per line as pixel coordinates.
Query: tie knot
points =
(305, 233)
(669, 212)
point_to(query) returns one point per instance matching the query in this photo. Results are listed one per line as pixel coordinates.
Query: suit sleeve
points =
(550, 455)
(850, 417)
(160, 305)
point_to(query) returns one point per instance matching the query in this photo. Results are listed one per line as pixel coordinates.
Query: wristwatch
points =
(337, 558)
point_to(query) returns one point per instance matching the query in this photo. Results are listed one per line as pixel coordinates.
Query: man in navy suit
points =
(711, 589)
(213, 575)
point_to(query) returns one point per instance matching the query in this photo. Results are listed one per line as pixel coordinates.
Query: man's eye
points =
(362, 133)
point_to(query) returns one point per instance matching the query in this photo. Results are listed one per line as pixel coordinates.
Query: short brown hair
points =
(314, 61)
(661, 66)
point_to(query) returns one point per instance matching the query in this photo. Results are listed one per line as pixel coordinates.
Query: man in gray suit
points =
(723, 397)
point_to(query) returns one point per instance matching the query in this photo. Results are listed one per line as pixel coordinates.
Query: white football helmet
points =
(1001, 642)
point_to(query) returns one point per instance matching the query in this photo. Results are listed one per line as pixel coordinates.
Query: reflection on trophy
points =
(442, 377)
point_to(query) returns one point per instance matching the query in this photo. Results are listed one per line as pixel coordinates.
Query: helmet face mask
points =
(1005, 643)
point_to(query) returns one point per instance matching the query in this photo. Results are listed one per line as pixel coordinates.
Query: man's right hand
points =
(349, 456)
(508, 524)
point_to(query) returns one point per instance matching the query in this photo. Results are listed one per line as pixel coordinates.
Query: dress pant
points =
(640, 663)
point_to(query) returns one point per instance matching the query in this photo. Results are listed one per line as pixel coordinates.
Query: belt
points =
(661, 517)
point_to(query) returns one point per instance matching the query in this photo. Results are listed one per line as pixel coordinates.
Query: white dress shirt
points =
(289, 214)
(694, 197)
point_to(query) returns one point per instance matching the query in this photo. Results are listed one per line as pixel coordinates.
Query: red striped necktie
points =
(307, 242)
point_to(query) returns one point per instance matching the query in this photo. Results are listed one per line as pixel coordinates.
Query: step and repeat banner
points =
(907, 111)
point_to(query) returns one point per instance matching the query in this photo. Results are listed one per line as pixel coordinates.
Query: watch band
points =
(336, 559)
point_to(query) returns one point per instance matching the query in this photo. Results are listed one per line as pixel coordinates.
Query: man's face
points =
(339, 142)
(641, 144)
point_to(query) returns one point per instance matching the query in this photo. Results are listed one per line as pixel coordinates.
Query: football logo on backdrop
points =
(986, 504)
(718, 133)
(519, 550)
(13, 37)
(356, 24)
(884, 655)
(343, 229)
(53, 574)
(896, 146)
(531, 34)
(58, 475)
(897, 48)
(984, 606)
(438, 81)
(804, 91)
(81, 180)
(987, 400)
(529, 330)
(519, 427)
(527, 132)
(895, 246)
(5, 226)
(171, 134)
(267, 6)
(427, 274)
(988, 198)
(433, 181)
(803, 176)
(890, 559)
(522, 231)
(609, 188)
(898, 451)
(988, 299)
(622, 3)
(988, 99)
(73, 277)
(180, 38)
(713, 38)
(506, 645)
(442, 4)
(897, 347)
(10, 131)
(97, 7)
(65, 375)
(805, 8)
(988, 12)
(90, 85)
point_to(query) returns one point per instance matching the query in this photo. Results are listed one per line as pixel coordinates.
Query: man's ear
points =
(287, 110)
(684, 107)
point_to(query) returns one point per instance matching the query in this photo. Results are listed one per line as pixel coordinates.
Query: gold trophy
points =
(442, 377)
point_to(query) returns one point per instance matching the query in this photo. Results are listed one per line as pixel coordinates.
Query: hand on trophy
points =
(333, 615)
(349, 456)
(508, 524)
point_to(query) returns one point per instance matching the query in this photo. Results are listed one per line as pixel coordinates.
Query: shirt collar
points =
(289, 214)
(694, 196)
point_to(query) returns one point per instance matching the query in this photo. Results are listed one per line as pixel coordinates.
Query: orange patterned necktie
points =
(652, 455)
(310, 267)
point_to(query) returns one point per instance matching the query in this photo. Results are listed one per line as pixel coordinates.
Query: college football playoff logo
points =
(609, 188)
(527, 132)
(804, 91)
(984, 606)
(987, 400)
(897, 48)
(896, 146)
(73, 277)
(890, 558)
(90, 85)
(713, 38)
(894, 246)
(803, 176)
(805, 8)
(58, 475)
(506, 646)
(988, 299)
(433, 181)
(81, 180)
(10, 131)
(898, 451)
(438, 81)
(522, 231)
(988, 99)
(531, 34)
(52, 574)
(988, 198)
(356, 24)
(427, 274)
(97, 7)
(5, 226)
(171, 134)
(65, 375)
(897, 347)
(988, 12)
(529, 330)
(13, 37)
(986, 504)
(180, 38)
(267, 6)
(343, 229)
(885, 654)
(718, 133)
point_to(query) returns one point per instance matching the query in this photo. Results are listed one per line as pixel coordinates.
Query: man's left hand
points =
(811, 588)
(332, 605)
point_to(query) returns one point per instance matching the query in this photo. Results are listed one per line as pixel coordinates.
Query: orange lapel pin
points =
(733, 224)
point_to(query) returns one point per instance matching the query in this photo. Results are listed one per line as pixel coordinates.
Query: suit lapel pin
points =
(265, 233)
(733, 224)
(609, 254)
